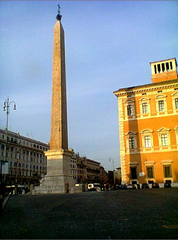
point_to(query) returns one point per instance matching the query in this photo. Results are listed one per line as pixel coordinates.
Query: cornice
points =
(145, 88)
(20, 137)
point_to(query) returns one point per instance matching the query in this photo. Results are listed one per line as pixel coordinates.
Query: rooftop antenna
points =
(59, 16)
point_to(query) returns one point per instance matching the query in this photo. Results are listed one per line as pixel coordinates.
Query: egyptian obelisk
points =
(58, 178)
(59, 138)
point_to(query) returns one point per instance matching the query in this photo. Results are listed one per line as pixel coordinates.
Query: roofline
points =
(93, 161)
(164, 60)
(17, 134)
(147, 85)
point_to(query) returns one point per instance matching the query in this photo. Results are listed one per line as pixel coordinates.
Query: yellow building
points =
(148, 127)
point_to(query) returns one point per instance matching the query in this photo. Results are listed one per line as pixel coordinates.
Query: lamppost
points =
(111, 160)
(16, 176)
(6, 108)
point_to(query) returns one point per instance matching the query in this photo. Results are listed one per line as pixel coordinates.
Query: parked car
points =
(123, 186)
(155, 185)
(145, 185)
(131, 186)
(167, 185)
(94, 187)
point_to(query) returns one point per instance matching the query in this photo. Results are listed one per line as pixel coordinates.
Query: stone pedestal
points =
(59, 178)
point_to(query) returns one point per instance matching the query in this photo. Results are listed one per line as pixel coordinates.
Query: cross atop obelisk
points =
(59, 135)
(59, 16)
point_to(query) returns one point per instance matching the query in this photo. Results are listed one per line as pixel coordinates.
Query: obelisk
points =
(59, 138)
(58, 178)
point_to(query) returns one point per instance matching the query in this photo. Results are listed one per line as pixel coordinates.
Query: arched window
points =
(167, 170)
(144, 106)
(131, 141)
(129, 108)
(147, 139)
(161, 104)
(175, 102)
(164, 137)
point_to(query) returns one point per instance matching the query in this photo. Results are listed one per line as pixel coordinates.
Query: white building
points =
(26, 160)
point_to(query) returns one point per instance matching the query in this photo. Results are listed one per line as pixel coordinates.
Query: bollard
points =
(31, 188)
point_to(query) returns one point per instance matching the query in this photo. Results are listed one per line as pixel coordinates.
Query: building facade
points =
(84, 170)
(27, 162)
(25, 157)
(103, 176)
(117, 176)
(93, 171)
(148, 127)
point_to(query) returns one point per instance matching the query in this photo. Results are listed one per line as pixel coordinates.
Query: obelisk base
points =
(58, 178)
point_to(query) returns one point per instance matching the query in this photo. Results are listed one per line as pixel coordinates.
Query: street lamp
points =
(16, 182)
(6, 108)
(111, 160)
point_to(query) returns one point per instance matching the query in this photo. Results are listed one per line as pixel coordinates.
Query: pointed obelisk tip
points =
(59, 16)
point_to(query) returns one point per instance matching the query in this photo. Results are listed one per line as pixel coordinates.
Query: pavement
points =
(116, 214)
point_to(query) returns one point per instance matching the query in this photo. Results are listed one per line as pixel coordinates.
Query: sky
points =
(108, 44)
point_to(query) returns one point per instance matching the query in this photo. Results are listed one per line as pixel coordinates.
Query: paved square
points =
(140, 213)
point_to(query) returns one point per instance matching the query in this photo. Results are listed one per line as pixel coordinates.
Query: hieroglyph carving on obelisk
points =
(59, 135)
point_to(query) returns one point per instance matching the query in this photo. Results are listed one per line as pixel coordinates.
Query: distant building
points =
(117, 176)
(81, 168)
(25, 157)
(148, 127)
(85, 170)
(27, 162)
(111, 177)
(103, 175)
(93, 171)
(114, 177)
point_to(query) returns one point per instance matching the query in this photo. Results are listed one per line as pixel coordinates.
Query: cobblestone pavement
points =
(119, 214)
